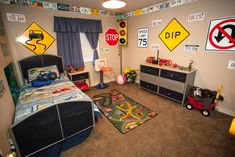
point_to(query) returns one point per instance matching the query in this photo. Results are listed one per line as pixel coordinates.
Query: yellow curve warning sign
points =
(173, 34)
(36, 39)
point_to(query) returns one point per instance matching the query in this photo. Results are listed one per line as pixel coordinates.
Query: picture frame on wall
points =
(4, 49)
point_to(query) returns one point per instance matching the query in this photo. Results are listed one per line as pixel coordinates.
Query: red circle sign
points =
(224, 33)
(111, 36)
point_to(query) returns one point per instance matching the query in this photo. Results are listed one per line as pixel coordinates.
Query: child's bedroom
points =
(100, 78)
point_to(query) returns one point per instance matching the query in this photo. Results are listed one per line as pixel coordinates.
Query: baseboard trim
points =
(226, 111)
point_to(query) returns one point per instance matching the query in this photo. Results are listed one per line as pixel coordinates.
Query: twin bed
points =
(55, 116)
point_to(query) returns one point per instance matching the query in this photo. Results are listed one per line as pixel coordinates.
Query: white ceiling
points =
(131, 5)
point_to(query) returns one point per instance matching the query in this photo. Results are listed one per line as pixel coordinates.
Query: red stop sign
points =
(111, 36)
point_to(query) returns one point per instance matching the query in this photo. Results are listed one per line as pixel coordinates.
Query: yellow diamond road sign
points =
(36, 39)
(173, 34)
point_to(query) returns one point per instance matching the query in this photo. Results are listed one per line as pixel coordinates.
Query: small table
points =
(79, 76)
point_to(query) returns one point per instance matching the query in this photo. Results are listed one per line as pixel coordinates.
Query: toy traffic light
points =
(122, 32)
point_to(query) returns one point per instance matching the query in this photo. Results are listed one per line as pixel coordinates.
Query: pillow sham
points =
(33, 73)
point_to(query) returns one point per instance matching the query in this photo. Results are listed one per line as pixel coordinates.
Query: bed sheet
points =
(32, 99)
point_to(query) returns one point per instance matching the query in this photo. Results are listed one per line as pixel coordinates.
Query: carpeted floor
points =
(175, 132)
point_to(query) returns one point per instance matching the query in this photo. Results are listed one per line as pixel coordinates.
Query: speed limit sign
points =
(143, 37)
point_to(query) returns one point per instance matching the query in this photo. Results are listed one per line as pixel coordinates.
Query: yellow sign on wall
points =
(173, 34)
(36, 39)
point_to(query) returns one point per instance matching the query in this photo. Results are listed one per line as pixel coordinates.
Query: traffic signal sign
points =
(122, 32)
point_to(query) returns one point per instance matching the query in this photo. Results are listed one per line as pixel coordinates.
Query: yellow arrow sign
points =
(36, 39)
(173, 34)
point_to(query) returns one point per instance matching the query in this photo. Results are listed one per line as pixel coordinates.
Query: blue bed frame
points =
(57, 127)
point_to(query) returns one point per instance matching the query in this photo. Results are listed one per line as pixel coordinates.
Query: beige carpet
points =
(175, 132)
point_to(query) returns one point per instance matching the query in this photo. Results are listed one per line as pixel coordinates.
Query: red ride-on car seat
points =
(203, 100)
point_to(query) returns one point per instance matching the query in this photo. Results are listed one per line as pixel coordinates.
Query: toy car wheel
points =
(205, 113)
(189, 106)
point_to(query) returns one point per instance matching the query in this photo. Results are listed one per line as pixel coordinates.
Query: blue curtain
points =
(69, 47)
(93, 39)
(68, 38)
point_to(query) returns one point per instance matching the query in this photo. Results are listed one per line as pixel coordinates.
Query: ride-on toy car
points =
(203, 99)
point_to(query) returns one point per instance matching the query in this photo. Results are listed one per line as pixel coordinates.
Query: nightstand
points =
(79, 76)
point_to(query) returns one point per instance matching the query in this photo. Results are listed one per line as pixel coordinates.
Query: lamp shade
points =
(113, 4)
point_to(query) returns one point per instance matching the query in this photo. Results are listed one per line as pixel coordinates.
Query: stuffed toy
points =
(52, 75)
(44, 78)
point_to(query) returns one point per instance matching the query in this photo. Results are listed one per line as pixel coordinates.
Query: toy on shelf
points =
(166, 62)
(150, 59)
(203, 99)
(174, 65)
(71, 69)
(190, 66)
(183, 68)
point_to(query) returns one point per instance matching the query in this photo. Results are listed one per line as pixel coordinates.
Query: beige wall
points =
(6, 102)
(44, 18)
(211, 65)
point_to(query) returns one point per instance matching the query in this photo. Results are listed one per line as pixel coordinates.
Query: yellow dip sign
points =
(173, 34)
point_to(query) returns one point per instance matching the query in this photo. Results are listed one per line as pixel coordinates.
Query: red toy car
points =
(203, 99)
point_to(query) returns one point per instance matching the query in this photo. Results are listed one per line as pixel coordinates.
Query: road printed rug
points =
(123, 112)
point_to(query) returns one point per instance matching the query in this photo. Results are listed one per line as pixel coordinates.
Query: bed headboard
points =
(40, 61)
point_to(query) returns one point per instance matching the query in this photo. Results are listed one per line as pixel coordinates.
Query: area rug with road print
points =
(123, 112)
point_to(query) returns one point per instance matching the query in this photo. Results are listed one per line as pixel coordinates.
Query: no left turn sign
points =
(221, 35)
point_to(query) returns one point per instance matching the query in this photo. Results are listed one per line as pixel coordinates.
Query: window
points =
(87, 50)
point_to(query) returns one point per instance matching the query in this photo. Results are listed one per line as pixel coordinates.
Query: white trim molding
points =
(226, 111)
